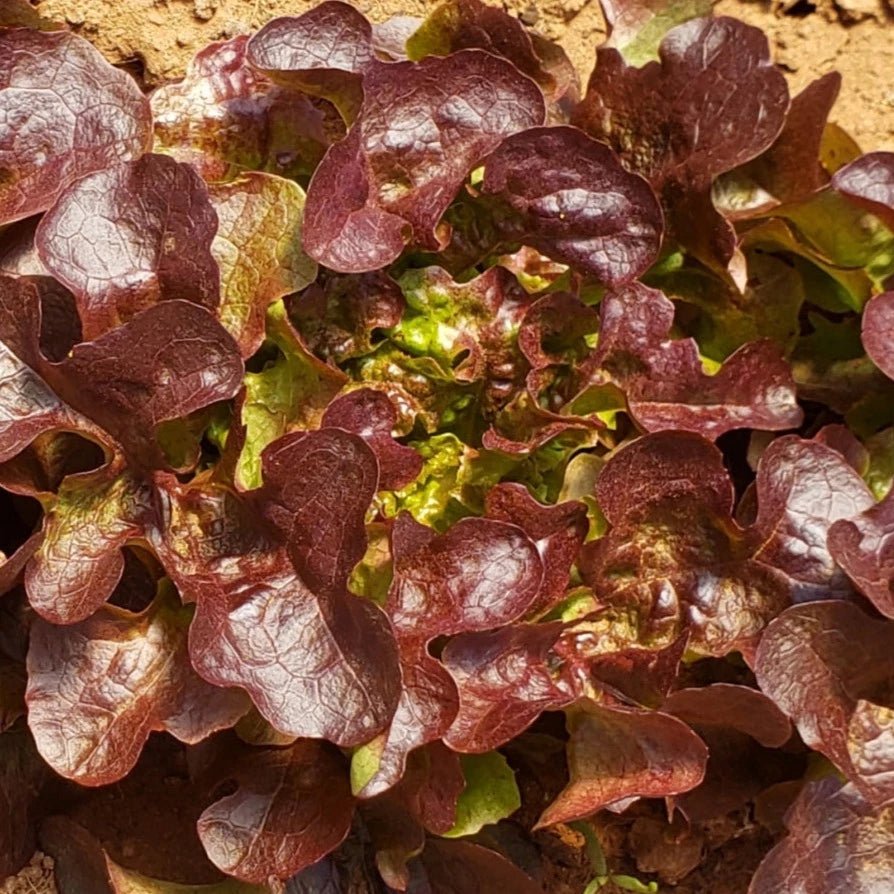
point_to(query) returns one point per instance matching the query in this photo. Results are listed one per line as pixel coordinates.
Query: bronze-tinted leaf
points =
(129, 236)
(620, 753)
(292, 807)
(551, 182)
(227, 118)
(827, 665)
(66, 112)
(864, 547)
(803, 487)
(98, 688)
(371, 196)
(836, 842)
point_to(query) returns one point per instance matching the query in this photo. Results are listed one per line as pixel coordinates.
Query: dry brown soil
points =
(808, 38)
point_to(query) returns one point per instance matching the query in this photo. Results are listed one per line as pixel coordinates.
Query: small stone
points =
(204, 9)
(851, 11)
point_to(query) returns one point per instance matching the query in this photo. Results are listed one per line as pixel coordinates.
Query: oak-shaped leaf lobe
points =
(317, 663)
(371, 415)
(30, 407)
(317, 487)
(98, 688)
(504, 681)
(674, 556)
(620, 753)
(470, 24)
(741, 726)
(292, 806)
(869, 182)
(226, 118)
(128, 236)
(258, 250)
(663, 378)
(730, 705)
(790, 169)
(324, 52)
(80, 560)
(836, 841)
(551, 184)
(713, 102)
(863, 546)
(374, 193)
(66, 112)
(478, 575)
(878, 332)
(827, 666)
(802, 488)
(558, 532)
(170, 360)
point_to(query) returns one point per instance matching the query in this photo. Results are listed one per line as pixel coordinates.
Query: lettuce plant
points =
(422, 451)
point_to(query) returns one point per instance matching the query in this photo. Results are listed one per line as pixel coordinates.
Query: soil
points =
(808, 37)
(156, 39)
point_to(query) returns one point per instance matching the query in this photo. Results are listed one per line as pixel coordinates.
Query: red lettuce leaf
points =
(67, 113)
(480, 574)
(740, 726)
(869, 183)
(469, 24)
(803, 487)
(736, 707)
(29, 406)
(170, 360)
(712, 103)
(226, 118)
(665, 383)
(827, 665)
(291, 808)
(317, 488)
(323, 52)
(837, 841)
(863, 546)
(98, 688)
(558, 532)
(878, 332)
(505, 680)
(424, 800)
(467, 867)
(790, 169)
(372, 416)
(620, 753)
(633, 675)
(258, 251)
(674, 556)
(80, 558)
(371, 196)
(320, 664)
(550, 182)
(128, 236)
